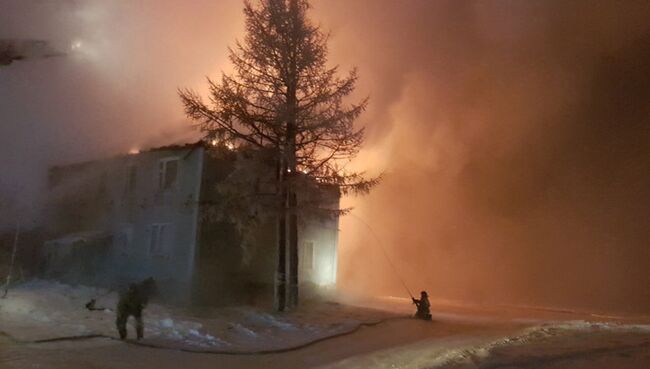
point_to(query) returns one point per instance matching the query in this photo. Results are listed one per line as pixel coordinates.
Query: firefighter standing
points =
(131, 303)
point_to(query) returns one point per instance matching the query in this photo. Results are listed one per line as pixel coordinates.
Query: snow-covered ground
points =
(459, 337)
(539, 346)
(41, 310)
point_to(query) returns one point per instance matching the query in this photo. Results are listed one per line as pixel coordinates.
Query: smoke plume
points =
(514, 135)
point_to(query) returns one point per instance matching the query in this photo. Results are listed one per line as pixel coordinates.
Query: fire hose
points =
(383, 249)
(206, 351)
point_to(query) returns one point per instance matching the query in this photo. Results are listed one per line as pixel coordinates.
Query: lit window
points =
(308, 255)
(167, 173)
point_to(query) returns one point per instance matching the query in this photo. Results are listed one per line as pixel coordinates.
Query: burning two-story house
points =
(125, 218)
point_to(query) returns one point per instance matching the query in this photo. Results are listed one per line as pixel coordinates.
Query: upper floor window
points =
(167, 173)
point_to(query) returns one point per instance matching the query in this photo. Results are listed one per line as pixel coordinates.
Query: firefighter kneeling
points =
(423, 306)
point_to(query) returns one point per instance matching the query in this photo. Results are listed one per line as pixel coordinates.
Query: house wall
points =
(318, 242)
(107, 216)
(220, 277)
(175, 209)
(153, 229)
(229, 271)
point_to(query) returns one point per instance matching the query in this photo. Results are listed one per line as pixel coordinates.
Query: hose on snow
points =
(206, 351)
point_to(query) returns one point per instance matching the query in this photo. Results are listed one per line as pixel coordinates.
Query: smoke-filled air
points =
(324, 184)
(515, 141)
(513, 136)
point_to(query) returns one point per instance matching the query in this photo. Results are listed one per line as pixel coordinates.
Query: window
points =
(308, 255)
(157, 238)
(167, 173)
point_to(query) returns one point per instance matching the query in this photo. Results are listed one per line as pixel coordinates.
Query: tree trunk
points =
(13, 259)
(293, 251)
(281, 271)
(292, 237)
(292, 131)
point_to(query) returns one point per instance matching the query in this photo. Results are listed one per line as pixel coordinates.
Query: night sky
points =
(514, 136)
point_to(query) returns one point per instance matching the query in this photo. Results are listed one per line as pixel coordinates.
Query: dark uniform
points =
(131, 303)
(423, 306)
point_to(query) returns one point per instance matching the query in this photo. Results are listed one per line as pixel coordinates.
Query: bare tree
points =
(284, 99)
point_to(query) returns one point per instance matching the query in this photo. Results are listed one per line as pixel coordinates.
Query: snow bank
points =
(44, 309)
(187, 332)
(471, 348)
(266, 319)
(531, 335)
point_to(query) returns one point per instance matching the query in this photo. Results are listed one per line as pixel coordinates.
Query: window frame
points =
(157, 245)
(161, 173)
(312, 259)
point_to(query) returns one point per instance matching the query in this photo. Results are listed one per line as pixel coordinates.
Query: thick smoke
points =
(514, 135)
(516, 140)
(114, 92)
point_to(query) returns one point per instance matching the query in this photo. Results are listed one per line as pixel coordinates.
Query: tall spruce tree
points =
(283, 99)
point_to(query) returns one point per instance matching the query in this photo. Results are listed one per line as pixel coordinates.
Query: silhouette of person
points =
(131, 303)
(423, 306)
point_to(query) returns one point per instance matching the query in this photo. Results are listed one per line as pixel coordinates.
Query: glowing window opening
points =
(308, 255)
